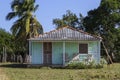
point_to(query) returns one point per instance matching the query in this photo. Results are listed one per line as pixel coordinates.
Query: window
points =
(83, 48)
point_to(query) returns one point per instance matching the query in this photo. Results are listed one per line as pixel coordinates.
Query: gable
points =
(66, 33)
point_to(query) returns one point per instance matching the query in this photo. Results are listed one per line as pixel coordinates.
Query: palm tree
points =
(26, 26)
(24, 9)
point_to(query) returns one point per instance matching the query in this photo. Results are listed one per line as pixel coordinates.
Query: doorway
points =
(47, 49)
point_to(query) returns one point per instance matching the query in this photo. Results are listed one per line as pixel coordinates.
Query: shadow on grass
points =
(18, 65)
(13, 65)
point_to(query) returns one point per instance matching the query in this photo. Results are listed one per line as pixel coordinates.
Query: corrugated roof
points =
(66, 33)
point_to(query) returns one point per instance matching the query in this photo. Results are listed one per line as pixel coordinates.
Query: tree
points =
(24, 9)
(103, 21)
(5, 40)
(69, 19)
(26, 26)
(117, 46)
(6, 46)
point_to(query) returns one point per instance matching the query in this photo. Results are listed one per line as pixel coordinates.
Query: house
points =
(58, 47)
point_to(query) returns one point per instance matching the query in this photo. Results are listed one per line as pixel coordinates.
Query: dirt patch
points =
(3, 75)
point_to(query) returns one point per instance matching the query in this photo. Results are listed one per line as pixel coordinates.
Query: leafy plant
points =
(103, 61)
(83, 65)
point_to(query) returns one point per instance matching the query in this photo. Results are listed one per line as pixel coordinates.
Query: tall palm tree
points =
(26, 26)
(24, 9)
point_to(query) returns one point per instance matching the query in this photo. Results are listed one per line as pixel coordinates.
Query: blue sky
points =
(48, 10)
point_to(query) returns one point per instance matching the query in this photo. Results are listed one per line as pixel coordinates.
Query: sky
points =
(49, 10)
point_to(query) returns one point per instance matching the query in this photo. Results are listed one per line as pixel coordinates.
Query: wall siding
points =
(94, 49)
(71, 48)
(57, 53)
(36, 53)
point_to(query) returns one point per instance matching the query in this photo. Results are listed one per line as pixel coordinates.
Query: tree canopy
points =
(5, 41)
(105, 21)
(69, 19)
(27, 24)
(105, 17)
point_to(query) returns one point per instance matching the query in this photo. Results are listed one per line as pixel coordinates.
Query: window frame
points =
(86, 49)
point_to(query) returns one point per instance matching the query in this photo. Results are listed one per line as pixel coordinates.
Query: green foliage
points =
(103, 61)
(84, 65)
(117, 46)
(69, 19)
(6, 41)
(76, 65)
(104, 21)
(24, 9)
(26, 26)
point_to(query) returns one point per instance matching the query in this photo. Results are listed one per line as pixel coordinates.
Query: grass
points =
(111, 72)
(3, 76)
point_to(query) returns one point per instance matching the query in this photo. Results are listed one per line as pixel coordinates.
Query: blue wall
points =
(36, 53)
(57, 53)
(70, 49)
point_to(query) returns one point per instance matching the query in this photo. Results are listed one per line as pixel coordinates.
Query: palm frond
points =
(14, 3)
(10, 15)
(36, 7)
(17, 24)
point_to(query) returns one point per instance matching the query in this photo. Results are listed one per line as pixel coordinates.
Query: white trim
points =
(83, 41)
(63, 53)
(99, 48)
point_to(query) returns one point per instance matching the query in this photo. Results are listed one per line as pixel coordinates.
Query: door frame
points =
(47, 53)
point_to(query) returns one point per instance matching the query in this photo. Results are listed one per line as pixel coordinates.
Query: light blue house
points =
(58, 47)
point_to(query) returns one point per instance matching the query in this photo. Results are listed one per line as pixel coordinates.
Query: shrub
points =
(103, 61)
(83, 65)
(98, 66)
(76, 65)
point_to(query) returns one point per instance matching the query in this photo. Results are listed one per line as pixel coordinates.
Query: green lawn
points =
(111, 72)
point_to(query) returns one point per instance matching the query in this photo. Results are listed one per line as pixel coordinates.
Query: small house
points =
(61, 46)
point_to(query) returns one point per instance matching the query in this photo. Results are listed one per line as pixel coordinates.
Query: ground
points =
(3, 76)
(109, 72)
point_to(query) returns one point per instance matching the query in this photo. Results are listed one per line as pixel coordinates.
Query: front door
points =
(47, 53)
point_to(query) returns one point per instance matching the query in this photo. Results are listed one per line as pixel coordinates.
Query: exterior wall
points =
(57, 53)
(94, 49)
(36, 53)
(71, 48)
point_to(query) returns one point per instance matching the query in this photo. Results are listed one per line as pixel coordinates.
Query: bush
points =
(98, 66)
(103, 61)
(83, 65)
(76, 65)
(117, 57)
